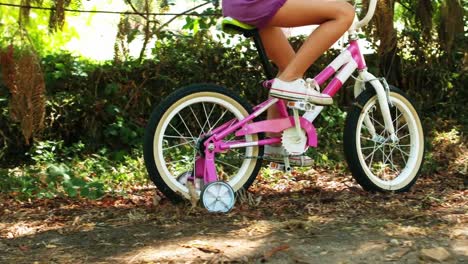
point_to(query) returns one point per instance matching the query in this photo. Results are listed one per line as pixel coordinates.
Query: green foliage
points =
(329, 127)
(68, 171)
(447, 151)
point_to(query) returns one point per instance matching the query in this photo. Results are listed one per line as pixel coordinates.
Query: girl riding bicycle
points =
(334, 17)
(205, 141)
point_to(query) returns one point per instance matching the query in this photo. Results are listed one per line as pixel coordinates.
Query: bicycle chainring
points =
(294, 143)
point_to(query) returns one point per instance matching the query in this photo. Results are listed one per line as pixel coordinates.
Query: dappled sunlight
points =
(211, 247)
(18, 229)
(406, 230)
(370, 246)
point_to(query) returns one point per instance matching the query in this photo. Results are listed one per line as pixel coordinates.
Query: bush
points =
(96, 113)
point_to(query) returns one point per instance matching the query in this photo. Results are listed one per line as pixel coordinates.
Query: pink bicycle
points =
(206, 140)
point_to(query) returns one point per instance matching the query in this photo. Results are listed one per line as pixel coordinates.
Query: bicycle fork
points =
(383, 99)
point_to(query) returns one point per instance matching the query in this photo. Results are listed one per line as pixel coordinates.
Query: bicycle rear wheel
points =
(175, 133)
(376, 162)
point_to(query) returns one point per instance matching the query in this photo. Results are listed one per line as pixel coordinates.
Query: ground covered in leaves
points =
(310, 217)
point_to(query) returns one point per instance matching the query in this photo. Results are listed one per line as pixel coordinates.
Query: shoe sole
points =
(288, 96)
(292, 162)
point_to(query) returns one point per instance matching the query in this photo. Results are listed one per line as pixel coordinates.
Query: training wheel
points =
(218, 197)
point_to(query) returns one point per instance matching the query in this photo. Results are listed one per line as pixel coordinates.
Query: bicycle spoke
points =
(186, 127)
(403, 154)
(401, 128)
(198, 122)
(406, 145)
(385, 158)
(227, 164)
(378, 123)
(375, 120)
(178, 145)
(181, 160)
(407, 154)
(219, 119)
(368, 147)
(396, 119)
(179, 133)
(373, 152)
(403, 137)
(372, 158)
(390, 159)
(179, 137)
(208, 117)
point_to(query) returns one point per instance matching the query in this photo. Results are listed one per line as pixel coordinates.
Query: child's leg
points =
(277, 47)
(281, 53)
(334, 17)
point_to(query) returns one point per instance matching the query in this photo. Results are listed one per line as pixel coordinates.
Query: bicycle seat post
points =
(269, 71)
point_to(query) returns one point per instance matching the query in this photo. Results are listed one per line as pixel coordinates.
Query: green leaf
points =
(79, 182)
(85, 192)
(324, 157)
(72, 192)
(111, 88)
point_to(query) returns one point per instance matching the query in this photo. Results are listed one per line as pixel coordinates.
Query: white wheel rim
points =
(247, 166)
(411, 154)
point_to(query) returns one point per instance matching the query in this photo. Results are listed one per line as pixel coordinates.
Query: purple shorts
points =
(253, 12)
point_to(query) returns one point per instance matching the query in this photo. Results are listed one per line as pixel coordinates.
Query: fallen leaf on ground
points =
(270, 253)
(76, 221)
(156, 199)
(202, 247)
(23, 248)
(439, 254)
(398, 254)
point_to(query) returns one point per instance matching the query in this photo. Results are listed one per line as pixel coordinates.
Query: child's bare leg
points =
(277, 46)
(334, 17)
(279, 50)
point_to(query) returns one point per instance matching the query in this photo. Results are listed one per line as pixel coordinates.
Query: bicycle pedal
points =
(279, 167)
(276, 166)
(301, 105)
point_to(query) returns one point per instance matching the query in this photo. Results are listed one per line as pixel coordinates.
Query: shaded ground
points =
(314, 217)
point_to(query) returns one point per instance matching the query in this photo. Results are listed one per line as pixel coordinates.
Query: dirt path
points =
(313, 218)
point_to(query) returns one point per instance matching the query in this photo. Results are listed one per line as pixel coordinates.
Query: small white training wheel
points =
(218, 197)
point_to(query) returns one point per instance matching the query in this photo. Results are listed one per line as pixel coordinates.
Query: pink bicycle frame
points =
(345, 64)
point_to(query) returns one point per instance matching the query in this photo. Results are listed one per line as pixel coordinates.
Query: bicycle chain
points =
(261, 157)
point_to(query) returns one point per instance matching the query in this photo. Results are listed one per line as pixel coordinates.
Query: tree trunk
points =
(451, 24)
(381, 30)
(389, 61)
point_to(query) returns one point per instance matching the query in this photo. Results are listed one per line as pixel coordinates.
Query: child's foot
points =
(298, 90)
(275, 154)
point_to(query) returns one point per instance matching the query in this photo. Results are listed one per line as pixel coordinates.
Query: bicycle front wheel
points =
(175, 133)
(375, 160)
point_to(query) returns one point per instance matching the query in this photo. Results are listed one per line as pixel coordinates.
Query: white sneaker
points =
(298, 90)
(275, 154)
